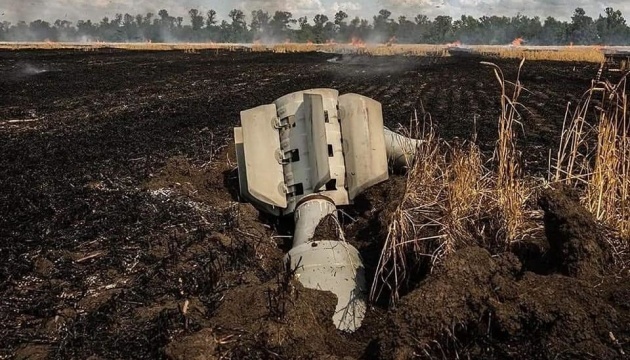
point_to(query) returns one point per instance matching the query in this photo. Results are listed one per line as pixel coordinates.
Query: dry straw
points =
(578, 53)
(451, 200)
(594, 157)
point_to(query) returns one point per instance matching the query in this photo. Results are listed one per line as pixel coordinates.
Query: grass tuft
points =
(451, 200)
(594, 158)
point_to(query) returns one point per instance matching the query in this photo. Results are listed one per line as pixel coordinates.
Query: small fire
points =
(357, 42)
(392, 40)
(330, 42)
(257, 42)
(571, 44)
(309, 42)
(517, 42)
(454, 44)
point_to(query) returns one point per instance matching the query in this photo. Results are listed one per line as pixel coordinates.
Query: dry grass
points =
(577, 53)
(468, 202)
(140, 46)
(594, 157)
(510, 188)
(452, 200)
(414, 224)
(366, 49)
(592, 54)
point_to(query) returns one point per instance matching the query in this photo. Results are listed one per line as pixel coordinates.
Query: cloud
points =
(405, 4)
(561, 9)
(347, 6)
(73, 10)
(292, 6)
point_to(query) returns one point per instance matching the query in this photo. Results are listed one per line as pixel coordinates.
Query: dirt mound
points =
(328, 229)
(482, 306)
(279, 318)
(204, 183)
(198, 346)
(571, 230)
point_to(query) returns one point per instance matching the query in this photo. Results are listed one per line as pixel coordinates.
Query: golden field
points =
(555, 53)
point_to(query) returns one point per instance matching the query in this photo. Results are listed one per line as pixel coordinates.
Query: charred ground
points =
(121, 235)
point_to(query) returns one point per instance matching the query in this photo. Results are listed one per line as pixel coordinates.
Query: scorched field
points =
(122, 236)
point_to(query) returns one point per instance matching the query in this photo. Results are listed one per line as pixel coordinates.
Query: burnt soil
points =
(121, 233)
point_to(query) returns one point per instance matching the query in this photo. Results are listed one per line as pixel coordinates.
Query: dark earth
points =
(121, 233)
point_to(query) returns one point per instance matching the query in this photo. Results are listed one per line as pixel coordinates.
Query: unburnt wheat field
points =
(122, 234)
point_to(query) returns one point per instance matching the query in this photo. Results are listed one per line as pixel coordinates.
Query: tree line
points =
(609, 28)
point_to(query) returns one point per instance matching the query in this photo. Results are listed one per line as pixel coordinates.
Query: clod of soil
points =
(280, 318)
(572, 233)
(480, 306)
(198, 346)
(328, 229)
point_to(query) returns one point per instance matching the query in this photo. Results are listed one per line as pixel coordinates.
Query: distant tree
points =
(226, 32)
(582, 30)
(148, 19)
(86, 30)
(196, 19)
(612, 27)
(383, 25)
(40, 29)
(163, 14)
(280, 23)
(442, 30)
(553, 32)
(259, 24)
(305, 32)
(212, 31)
(211, 18)
(341, 26)
(167, 22)
(340, 18)
(238, 25)
(128, 20)
(238, 18)
(118, 20)
(129, 26)
(406, 29)
(319, 22)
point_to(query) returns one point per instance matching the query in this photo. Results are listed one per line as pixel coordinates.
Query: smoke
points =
(28, 69)
(22, 71)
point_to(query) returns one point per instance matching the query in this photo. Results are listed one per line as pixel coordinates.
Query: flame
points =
(309, 42)
(330, 42)
(454, 44)
(357, 42)
(257, 42)
(517, 42)
(571, 44)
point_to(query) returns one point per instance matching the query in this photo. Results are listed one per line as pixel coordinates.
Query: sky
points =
(73, 10)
